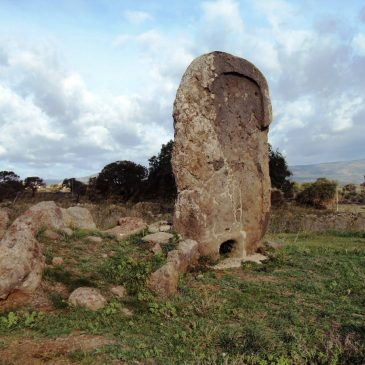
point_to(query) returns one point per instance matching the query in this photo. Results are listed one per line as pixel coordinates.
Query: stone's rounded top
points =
(207, 67)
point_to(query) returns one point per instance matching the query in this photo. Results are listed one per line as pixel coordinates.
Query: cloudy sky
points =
(87, 82)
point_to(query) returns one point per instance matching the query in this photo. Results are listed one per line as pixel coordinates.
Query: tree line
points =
(125, 181)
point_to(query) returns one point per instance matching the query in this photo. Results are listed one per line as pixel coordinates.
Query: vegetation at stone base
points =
(33, 183)
(317, 194)
(305, 305)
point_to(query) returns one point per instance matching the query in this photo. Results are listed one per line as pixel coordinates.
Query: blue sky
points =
(86, 83)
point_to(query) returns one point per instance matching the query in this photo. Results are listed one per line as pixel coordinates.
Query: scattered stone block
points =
(67, 231)
(120, 291)
(21, 258)
(52, 235)
(94, 239)
(164, 280)
(159, 237)
(57, 261)
(127, 227)
(89, 298)
(78, 217)
(156, 249)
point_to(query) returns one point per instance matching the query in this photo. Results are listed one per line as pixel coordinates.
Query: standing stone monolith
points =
(221, 115)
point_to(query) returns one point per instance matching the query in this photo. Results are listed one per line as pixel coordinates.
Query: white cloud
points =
(137, 17)
(223, 15)
(344, 110)
(358, 44)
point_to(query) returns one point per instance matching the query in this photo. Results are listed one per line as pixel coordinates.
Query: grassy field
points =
(305, 305)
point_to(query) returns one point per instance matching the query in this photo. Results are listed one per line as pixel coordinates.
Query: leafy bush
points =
(318, 194)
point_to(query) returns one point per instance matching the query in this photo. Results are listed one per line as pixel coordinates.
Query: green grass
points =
(305, 305)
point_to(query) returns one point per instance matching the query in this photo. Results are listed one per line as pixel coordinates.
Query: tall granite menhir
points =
(222, 114)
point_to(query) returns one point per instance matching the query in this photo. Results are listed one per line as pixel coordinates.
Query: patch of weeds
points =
(80, 234)
(21, 319)
(166, 310)
(129, 271)
(40, 234)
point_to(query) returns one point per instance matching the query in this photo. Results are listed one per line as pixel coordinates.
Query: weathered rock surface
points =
(186, 254)
(89, 298)
(21, 259)
(156, 249)
(94, 239)
(4, 221)
(52, 235)
(57, 261)
(222, 113)
(67, 231)
(159, 237)
(234, 262)
(78, 217)
(160, 226)
(127, 227)
(119, 290)
(164, 281)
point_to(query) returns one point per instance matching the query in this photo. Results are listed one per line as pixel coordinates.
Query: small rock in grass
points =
(93, 239)
(126, 312)
(156, 249)
(104, 255)
(67, 231)
(89, 298)
(120, 291)
(57, 261)
(48, 233)
(159, 237)
(164, 280)
(165, 228)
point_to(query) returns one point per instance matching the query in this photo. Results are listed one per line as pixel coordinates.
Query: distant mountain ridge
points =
(345, 172)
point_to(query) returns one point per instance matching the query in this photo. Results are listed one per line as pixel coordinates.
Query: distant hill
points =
(344, 172)
(84, 179)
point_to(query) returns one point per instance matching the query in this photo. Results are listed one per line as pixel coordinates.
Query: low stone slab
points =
(89, 298)
(94, 239)
(52, 235)
(127, 227)
(159, 237)
(78, 217)
(120, 291)
(233, 262)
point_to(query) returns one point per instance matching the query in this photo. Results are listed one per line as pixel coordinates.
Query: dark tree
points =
(10, 185)
(121, 178)
(76, 187)
(161, 180)
(33, 183)
(279, 173)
